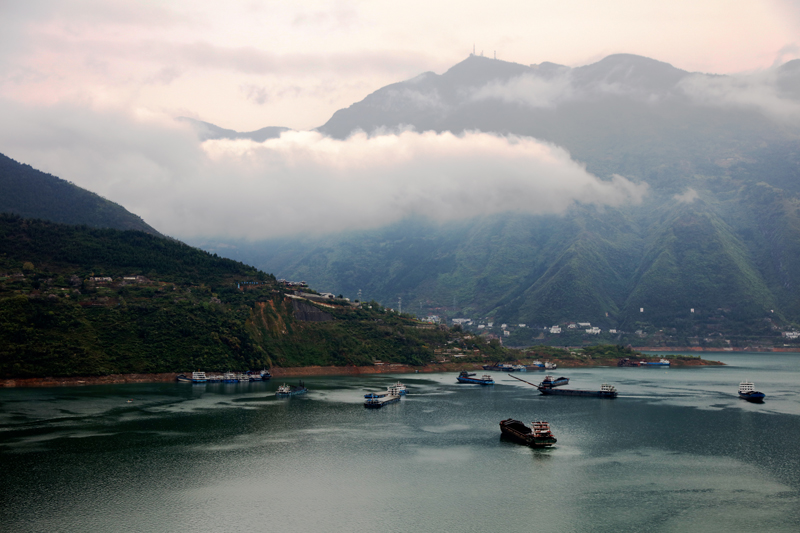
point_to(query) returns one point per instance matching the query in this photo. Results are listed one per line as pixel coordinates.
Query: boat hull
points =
(377, 403)
(753, 396)
(475, 381)
(550, 391)
(291, 393)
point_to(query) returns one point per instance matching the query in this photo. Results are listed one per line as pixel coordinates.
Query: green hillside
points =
(33, 194)
(168, 307)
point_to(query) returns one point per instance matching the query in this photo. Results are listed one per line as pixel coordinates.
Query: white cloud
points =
(302, 182)
(529, 89)
(688, 196)
(756, 91)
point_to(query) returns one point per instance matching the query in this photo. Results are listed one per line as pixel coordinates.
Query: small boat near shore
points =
(290, 390)
(199, 377)
(660, 362)
(550, 381)
(466, 377)
(538, 435)
(747, 391)
(183, 379)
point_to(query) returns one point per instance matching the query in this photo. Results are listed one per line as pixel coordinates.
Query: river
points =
(676, 451)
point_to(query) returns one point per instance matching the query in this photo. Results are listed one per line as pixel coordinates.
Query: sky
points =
(89, 90)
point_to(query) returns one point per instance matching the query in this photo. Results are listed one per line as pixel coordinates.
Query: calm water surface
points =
(677, 451)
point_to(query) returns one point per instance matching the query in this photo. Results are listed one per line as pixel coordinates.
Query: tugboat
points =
(401, 389)
(550, 381)
(290, 390)
(748, 392)
(536, 436)
(466, 377)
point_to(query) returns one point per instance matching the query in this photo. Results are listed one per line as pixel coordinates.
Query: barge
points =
(466, 377)
(538, 435)
(290, 390)
(391, 396)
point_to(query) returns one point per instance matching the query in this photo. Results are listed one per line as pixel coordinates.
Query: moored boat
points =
(550, 381)
(230, 377)
(550, 366)
(538, 435)
(747, 391)
(183, 379)
(199, 377)
(660, 362)
(466, 377)
(290, 390)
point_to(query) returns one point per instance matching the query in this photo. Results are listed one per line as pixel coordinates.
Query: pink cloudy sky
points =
(249, 64)
(89, 90)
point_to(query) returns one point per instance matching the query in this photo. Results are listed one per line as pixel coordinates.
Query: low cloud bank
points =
(302, 182)
(775, 91)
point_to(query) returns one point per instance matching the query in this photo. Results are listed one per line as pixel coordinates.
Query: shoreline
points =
(714, 350)
(301, 372)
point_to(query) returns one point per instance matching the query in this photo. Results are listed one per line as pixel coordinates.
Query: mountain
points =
(33, 194)
(207, 131)
(711, 255)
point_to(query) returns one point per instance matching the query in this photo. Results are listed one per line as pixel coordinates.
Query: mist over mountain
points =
(718, 232)
(207, 131)
(31, 193)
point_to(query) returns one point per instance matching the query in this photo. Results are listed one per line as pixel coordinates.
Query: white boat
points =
(199, 377)
(550, 366)
(400, 388)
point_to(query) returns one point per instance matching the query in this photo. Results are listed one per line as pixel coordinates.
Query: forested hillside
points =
(79, 301)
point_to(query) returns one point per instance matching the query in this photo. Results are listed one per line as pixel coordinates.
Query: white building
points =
(555, 329)
(593, 331)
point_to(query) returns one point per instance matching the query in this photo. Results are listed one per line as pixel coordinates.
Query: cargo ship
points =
(606, 391)
(536, 436)
(550, 381)
(290, 390)
(747, 391)
(466, 377)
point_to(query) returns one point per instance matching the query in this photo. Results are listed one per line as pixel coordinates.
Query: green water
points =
(677, 451)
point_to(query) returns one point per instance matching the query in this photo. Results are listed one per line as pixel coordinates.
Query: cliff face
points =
(308, 313)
